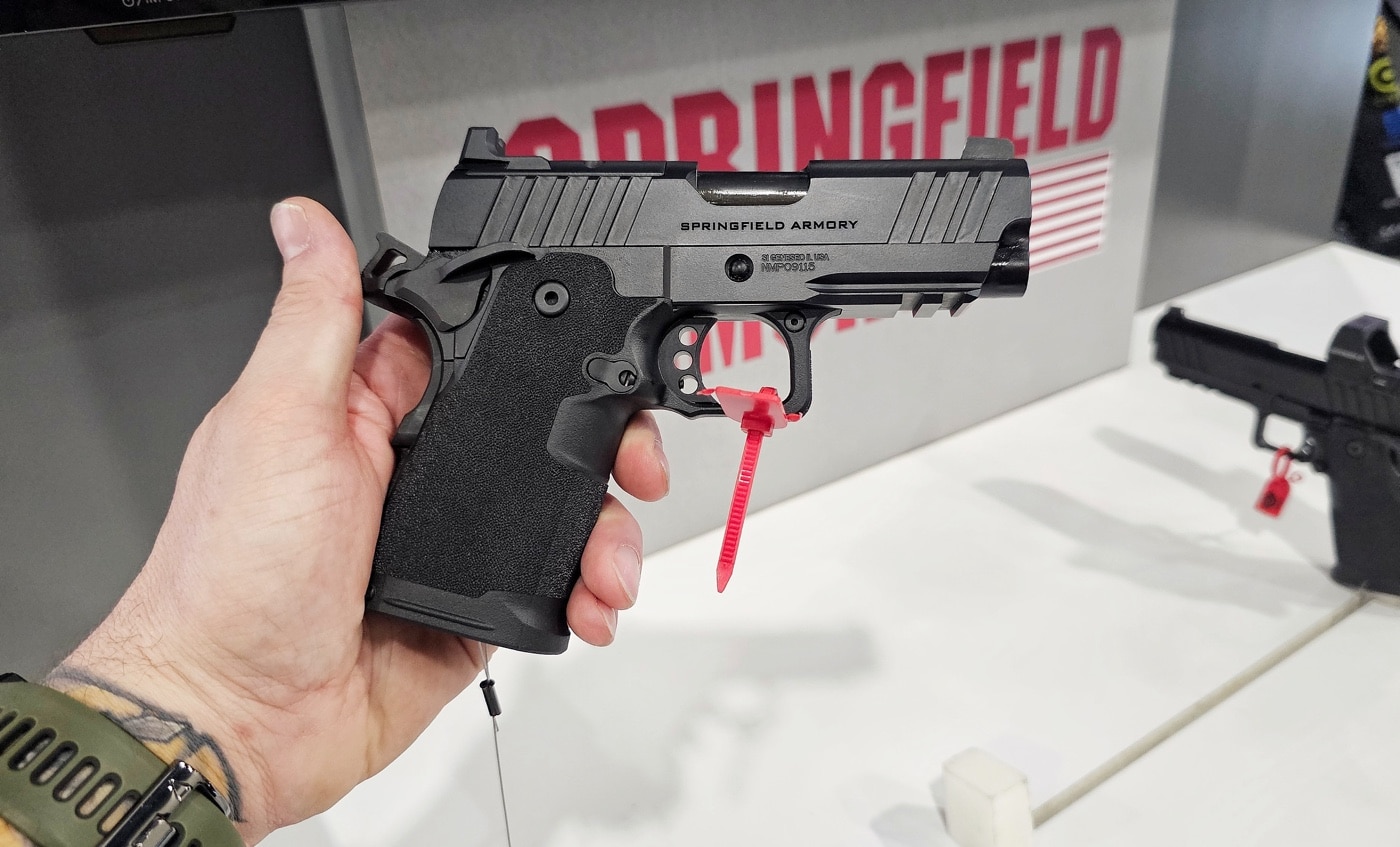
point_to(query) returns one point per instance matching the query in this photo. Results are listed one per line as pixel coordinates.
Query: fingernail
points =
(290, 229)
(628, 564)
(665, 465)
(610, 621)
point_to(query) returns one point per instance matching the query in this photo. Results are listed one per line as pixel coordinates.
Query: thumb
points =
(310, 339)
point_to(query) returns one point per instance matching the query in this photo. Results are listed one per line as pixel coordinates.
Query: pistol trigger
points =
(1305, 452)
(796, 328)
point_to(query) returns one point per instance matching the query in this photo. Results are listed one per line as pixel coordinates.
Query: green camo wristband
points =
(71, 777)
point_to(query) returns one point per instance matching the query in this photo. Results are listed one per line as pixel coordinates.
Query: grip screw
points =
(794, 322)
(627, 379)
(1356, 449)
(551, 298)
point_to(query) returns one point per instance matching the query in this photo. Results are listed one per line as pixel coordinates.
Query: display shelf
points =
(1049, 586)
(1307, 754)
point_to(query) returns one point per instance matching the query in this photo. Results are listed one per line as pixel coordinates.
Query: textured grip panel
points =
(1363, 468)
(480, 504)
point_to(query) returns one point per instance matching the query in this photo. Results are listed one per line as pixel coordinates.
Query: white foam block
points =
(988, 801)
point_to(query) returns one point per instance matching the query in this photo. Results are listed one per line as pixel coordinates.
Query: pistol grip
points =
(489, 510)
(1363, 472)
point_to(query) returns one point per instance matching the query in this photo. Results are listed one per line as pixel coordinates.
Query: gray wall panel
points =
(415, 54)
(328, 37)
(135, 182)
(1258, 121)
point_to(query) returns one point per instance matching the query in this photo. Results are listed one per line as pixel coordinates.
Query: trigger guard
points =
(799, 350)
(412, 424)
(1261, 420)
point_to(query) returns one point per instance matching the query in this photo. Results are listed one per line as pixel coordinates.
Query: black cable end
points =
(493, 703)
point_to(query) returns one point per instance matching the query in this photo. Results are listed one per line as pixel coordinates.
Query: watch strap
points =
(69, 777)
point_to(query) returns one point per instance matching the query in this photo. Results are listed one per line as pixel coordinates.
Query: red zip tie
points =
(758, 413)
(1276, 490)
(738, 507)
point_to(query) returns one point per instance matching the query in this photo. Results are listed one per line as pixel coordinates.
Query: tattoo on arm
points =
(168, 735)
(10, 837)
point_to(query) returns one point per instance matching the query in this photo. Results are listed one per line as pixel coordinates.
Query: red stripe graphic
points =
(1038, 221)
(1064, 260)
(1039, 172)
(1081, 232)
(1064, 176)
(1038, 234)
(1068, 203)
(1063, 197)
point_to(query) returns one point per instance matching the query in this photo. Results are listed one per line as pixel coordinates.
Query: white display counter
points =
(1049, 586)
(1306, 755)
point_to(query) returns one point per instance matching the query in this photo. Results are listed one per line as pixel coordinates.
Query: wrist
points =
(74, 776)
(174, 717)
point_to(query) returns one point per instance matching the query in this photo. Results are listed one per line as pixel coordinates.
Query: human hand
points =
(246, 626)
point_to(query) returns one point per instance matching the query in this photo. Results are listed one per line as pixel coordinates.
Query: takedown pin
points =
(758, 413)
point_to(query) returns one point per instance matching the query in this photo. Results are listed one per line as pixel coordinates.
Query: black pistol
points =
(560, 298)
(1349, 407)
